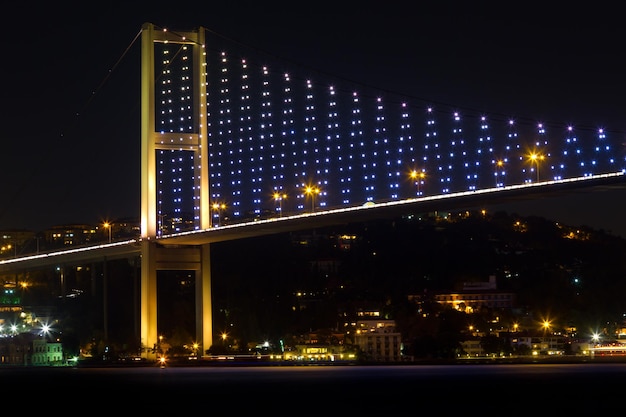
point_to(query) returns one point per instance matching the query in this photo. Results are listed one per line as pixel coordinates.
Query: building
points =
(71, 235)
(15, 350)
(46, 353)
(10, 302)
(547, 344)
(320, 353)
(378, 340)
(30, 349)
(472, 348)
(13, 242)
(477, 295)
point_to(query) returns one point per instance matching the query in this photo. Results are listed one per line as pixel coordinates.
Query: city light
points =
(108, 226)
(536, 158)
(354, 166)
(418, 177)
(595, 338)
(312, 192)
(219, 207)
(279, 197)
(499, 165)
(45, 330)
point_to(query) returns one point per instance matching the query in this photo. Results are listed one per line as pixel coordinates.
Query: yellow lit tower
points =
(157, 136)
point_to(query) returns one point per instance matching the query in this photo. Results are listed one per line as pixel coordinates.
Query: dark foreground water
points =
(469, 389)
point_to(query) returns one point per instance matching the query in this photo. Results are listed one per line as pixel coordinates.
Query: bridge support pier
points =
(204, 306)
(149, 336)
(153, 139)
(154, 258)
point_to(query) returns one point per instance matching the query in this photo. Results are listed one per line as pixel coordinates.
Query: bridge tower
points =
(154, 256)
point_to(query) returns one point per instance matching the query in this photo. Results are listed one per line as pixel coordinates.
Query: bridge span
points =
(332, 217)
(182, 171)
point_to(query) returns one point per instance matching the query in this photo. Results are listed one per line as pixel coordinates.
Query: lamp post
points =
(159, 349)
(499, 164)
(311, 191)
(109, 226)
(418, 177)
(219, 207)
(279, 197)
(161, 225)
(546, 327)
(224, 336)
(536, 158)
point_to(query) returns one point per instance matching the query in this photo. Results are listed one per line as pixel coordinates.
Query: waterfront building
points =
(46, 353)
(378, 340)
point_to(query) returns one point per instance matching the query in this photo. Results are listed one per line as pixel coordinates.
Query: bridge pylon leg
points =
(149, 336)
(204, 313)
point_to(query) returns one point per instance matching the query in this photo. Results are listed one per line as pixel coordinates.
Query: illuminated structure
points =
(379, 340)
(270, 131)
(46, 353)
(174, 128)
(218, 128)
(10, 302)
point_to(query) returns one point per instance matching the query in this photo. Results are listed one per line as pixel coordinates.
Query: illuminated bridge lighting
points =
(273, 130)
(263, 133)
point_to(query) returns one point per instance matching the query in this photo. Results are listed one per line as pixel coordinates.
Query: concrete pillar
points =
(149, 336)
(204, 306)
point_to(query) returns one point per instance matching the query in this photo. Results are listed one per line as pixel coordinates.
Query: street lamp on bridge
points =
(279, 198)
(218, 207)
(499, 164)
(109, 226)
(535, 158)
(312, 192)
(418, 177)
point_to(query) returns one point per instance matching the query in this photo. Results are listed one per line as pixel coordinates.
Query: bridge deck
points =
(450, 202)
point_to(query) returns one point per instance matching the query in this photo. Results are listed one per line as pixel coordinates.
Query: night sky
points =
(70, 119)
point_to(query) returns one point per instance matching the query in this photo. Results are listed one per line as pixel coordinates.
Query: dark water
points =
(481, 389)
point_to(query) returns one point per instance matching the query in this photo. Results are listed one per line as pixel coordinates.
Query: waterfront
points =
(488, 389)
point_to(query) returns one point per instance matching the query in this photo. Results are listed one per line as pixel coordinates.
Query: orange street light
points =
(312, 191)
(280, 197)
(418, 177)
(499, 164)
(536, 158)
(218, 207)
(109, 226)
(546, 327)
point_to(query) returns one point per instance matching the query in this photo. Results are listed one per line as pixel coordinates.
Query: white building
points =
(47, 353)
(378, 340)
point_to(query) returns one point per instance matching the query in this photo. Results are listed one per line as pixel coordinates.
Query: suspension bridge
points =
(231, 148)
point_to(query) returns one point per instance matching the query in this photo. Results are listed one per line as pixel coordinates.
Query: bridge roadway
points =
(323, 218)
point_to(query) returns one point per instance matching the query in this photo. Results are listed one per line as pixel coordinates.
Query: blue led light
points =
(279, 132)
